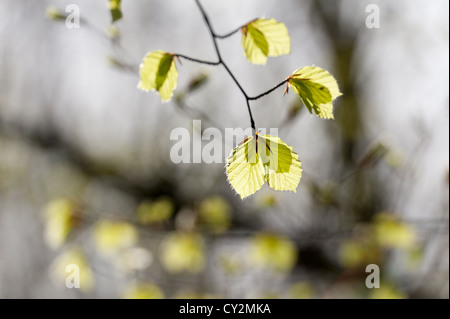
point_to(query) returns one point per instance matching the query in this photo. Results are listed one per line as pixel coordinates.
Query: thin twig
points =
(269, 91)
(196, 60)
(229, 34)
(211, 30)
(219, 56)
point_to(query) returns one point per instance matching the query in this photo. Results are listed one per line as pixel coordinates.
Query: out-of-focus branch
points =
(50, 140)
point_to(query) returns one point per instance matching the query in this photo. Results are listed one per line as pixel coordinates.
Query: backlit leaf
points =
(317, 88)
(282, 167)
(263, 158)
(159, 72)
(264, 38)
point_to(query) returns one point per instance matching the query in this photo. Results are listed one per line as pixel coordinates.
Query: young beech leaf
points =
(317, 88)
(116, 11)
(263, 158)
(158, 72)
(265, 37)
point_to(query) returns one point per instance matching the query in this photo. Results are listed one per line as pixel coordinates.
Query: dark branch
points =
(235, 80)
(219, 56)
(224, 36)
(211, 30)
(269, 91)
(229, 34)
(252, 121)
(196, 60)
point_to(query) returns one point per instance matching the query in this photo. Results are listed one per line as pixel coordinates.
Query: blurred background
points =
(86, 176)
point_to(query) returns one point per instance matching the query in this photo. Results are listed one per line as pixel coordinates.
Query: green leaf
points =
(245, 172)
(263, 158)
(158, 72)
(317, 88)
(264, 38)
(116, 11)
(283, 169)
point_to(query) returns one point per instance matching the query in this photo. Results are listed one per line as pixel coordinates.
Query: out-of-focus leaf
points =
(394, 158)
(183, 251)
(352, 253)
(112, 31)
(155, 212)
(294, 110)
(373, 154)
(53, 13)
(112, 236)
(116, 10)
(386, 291)
(159, 72)
(197, 82)
(215, 214)
(390, 232)
(143, 291)
(273, 252)
(61, 216)
(301, 290)
(317, 88)
(59, 269)
(415, 256)
(326, 194)
(262, 38)
(357, 252)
